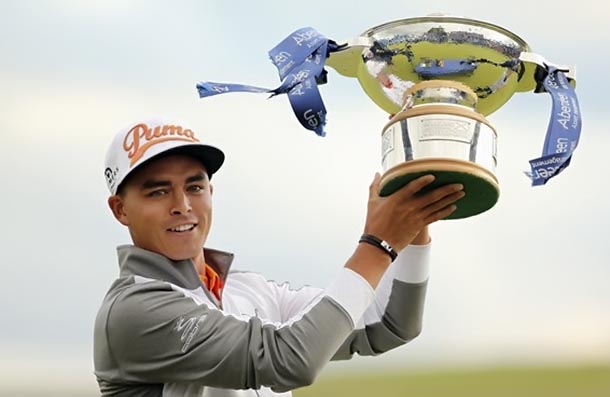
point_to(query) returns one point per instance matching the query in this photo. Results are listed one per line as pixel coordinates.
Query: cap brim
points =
(211, 157)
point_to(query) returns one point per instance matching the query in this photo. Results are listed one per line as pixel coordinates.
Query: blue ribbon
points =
(563, 131)
(299, 59)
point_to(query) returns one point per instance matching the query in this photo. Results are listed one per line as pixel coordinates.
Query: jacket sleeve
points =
(157, 333)
(393, 319)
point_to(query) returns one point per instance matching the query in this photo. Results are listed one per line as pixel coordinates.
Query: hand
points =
(399, 217)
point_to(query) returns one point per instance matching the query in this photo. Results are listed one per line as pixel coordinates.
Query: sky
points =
(526, 281)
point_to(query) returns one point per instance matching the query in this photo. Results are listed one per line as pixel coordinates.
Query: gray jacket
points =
(160, 332)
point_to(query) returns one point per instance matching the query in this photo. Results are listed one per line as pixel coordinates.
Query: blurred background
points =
(518, 299)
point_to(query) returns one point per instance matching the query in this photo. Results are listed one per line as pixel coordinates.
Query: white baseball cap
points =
(146, 139)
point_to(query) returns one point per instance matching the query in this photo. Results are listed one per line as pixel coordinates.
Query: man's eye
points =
(196, 188)
(156, 193)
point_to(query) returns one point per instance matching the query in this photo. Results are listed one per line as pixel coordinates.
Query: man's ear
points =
(117, 206)
(211, 189)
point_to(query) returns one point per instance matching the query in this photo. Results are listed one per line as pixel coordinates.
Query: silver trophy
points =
(439, 77)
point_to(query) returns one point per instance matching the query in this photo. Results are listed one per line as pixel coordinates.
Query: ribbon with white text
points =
(563, 131)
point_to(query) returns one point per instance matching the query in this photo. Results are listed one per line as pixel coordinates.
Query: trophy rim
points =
(448, 18)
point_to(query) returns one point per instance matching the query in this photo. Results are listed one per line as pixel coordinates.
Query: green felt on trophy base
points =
(481, 194)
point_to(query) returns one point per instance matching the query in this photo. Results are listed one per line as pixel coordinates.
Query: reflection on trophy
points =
(439, 77)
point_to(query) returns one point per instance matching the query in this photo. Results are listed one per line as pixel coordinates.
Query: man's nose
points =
(181, 203)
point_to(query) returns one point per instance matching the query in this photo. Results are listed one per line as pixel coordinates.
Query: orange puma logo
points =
(140, 137)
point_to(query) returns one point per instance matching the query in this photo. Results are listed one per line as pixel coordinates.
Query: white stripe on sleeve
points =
(352, 292)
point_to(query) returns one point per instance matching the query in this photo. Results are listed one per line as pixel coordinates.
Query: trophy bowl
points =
(438, 77)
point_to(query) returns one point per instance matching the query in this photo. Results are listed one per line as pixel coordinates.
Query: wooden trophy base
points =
(480, 185)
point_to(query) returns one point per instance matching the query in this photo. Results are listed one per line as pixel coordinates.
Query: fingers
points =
(438, 215)
(411, 188)
(439, 194)
(443, 203)
(443, 207)
(435, 204)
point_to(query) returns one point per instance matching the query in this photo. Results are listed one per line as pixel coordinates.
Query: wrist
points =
(379, 244)
(422, 238)
(370, 262)
(373, 255)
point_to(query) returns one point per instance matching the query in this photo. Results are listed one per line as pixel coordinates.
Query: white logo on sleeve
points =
(188, 329)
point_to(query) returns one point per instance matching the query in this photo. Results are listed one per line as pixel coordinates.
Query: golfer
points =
(178, 322)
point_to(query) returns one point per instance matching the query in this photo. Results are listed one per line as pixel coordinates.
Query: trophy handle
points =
(532, 62)
(346, 60)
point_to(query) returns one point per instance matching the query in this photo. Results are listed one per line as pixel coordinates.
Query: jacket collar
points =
(141, 262)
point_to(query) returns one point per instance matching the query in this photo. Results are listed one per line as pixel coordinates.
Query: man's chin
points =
(181, 257)
(172, 252)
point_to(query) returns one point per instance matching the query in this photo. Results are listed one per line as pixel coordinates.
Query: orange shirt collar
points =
(212, 281)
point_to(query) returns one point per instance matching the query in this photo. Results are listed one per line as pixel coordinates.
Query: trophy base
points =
(481, 186)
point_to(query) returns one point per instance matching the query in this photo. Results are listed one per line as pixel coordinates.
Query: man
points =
(177, 323)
